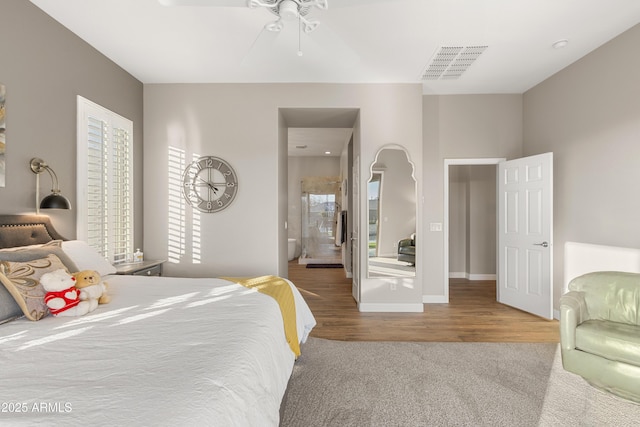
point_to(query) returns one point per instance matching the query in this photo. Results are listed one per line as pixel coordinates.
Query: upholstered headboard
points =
(23, 230)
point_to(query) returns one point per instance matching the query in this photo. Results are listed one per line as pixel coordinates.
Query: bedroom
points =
(587, 114)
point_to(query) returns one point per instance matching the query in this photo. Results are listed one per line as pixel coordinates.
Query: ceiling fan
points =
(285, 10)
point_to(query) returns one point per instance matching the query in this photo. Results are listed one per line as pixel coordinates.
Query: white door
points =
(525, 234)
(355, 235)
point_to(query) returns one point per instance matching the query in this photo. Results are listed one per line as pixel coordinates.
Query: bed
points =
(164, 351)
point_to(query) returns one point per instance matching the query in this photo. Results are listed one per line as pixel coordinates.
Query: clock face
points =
(209, 184)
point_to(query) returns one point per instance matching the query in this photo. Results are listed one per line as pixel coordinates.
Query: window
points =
(105, 181)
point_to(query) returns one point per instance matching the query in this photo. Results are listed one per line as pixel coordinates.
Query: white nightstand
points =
(144, 268)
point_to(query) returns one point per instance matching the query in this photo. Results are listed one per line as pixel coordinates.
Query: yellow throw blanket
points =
(278, 289)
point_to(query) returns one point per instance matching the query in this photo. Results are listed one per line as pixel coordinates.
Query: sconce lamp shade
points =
(55, 200)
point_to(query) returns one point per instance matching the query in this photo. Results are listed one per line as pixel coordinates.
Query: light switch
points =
(435, 226)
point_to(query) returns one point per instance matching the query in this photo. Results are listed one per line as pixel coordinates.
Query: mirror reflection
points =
(391, 194)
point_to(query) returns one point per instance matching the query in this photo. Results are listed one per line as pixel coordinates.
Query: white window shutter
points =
(105, 181)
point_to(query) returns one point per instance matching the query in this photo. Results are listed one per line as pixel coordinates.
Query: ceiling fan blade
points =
(205, 3)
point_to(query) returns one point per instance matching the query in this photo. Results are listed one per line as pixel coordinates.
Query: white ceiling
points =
(358, 41)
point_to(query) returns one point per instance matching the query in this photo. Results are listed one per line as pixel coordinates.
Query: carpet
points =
(324, 265)
(337, 383)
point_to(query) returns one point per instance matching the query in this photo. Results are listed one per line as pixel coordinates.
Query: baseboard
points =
(471, 276)
(390, 308)
(556, 314)
(482, 277)
(435, 299)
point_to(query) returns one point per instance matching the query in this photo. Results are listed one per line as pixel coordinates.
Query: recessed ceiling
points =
(372, 41)
(318, 142)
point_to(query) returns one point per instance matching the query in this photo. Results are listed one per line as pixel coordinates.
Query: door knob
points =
(543, 244)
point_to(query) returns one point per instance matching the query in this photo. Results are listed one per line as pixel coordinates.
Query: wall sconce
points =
(55, 200)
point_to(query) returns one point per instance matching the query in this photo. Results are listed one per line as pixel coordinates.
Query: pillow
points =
(22, 280)
(87, 258)
(9, 308)
(28, 253)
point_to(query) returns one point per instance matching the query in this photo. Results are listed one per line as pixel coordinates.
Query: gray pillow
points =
(9, 308)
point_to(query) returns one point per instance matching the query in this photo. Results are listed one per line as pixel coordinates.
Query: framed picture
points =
(3, 141)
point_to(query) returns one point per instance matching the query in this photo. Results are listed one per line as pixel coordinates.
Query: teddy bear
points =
(62, 297)
(92, 288)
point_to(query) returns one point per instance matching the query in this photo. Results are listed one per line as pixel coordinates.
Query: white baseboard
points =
(390, 308)
(556, 314)
(435, 299)
(471, 276)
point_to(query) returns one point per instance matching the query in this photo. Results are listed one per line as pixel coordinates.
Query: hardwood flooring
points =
(473, 314)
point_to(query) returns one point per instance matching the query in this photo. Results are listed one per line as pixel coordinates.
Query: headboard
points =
(583, 258)
(24, 230)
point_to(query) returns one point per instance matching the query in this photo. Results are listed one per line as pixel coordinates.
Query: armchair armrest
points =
(405, 242)
(573, 311)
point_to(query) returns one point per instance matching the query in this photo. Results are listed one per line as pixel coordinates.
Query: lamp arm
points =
(54, 180)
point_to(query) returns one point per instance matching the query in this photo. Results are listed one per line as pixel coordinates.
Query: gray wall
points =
(589, 116)
(460, 126)
(44, 67)
(241, 123)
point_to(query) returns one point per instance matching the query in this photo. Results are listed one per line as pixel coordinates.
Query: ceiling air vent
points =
(450, 62)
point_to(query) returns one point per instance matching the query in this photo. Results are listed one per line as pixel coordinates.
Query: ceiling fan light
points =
(288, 10)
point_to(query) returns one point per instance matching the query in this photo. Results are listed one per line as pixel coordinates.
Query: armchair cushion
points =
(615, 341)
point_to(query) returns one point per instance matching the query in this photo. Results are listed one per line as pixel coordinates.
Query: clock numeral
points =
(231, 184)
(209, 205)
(228, 196)
(208, 163)
(219, 202)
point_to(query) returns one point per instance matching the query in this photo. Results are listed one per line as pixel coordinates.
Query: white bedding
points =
(165, 351)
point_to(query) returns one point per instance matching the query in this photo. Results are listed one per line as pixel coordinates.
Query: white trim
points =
(481, 276)
(434, 299)
(471, 276)
(390, 308)
(447, 163)
(556, 314)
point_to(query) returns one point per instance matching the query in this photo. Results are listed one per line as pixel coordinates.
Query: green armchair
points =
(600, 331)
(407, 250)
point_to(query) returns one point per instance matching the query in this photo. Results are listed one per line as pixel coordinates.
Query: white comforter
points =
(165, 351)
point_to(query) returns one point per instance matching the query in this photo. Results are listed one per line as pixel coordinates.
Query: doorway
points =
(471, 243)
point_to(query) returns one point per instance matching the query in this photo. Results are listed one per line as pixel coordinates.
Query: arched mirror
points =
(391, 194)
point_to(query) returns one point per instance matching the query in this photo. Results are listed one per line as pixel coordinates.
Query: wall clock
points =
(209, 184)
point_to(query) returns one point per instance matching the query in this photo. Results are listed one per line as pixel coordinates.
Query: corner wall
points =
(589, 115)
(44, 67)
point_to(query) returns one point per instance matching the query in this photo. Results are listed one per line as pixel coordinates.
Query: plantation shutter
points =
(105, 183)
(121, 201)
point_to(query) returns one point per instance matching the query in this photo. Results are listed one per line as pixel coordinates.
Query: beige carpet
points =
(337, 383)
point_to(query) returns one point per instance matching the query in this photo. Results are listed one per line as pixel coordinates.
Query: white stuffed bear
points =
(63, 298)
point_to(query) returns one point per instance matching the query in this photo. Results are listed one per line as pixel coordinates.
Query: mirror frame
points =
(415, 190)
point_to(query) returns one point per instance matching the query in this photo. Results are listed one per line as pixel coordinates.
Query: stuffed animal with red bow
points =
(62, 297)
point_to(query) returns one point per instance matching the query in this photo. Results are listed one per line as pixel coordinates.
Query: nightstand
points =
(144, 268)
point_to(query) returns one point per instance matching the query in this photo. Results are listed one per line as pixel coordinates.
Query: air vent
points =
(450, 62)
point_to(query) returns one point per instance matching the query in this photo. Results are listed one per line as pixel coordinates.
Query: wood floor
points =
(473, 314)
